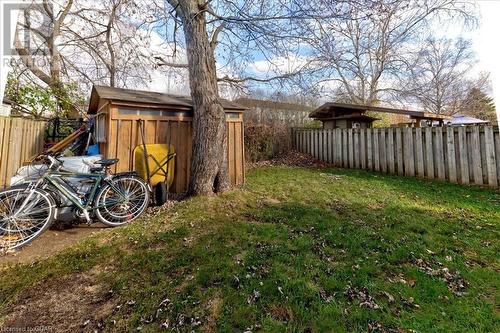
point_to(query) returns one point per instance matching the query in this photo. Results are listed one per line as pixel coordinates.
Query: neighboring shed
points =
(340, 115)
(167, 117)
(460, 120)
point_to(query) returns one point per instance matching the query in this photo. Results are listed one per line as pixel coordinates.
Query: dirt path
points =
(73, 303)
(58, 240)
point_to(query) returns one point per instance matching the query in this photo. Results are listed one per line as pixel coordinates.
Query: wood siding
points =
(20, 140)
(123, 135)
(464, 155)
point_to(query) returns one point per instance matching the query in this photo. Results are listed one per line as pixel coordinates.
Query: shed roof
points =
(361, 117)
(327, 108)
(118, 95)
(253, 102)
(465, 120)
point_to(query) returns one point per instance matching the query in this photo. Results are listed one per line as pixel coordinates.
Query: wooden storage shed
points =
(340, 115)
(167, 117)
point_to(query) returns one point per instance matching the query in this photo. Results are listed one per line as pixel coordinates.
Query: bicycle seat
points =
(107, 162)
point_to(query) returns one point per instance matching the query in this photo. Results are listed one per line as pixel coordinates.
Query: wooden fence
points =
(20, 139)
(465, 155)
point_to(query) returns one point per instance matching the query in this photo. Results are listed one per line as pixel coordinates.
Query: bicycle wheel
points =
(24, 215)
(123, 202)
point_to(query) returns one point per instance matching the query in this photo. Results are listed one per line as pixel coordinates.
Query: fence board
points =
(464, 156)
(369, 148)
(390, 151)
(429, 153)
(419, 152)
(408, 152)
(376, 150)
(439, 158)
(476, 157)
(491, 166)
(345, 157)
(356, 149)
(383, 153)
(350, 147)
(325, 145)
(338, 147)
(362, 138)
(311, 142)
(497, 147)
(452, 166)
(330, 146)
(399, 151)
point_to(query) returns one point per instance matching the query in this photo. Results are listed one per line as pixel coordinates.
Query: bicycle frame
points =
(51, 177)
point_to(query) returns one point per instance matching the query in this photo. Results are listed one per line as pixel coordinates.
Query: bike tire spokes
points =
(23, 215)
(124, 201)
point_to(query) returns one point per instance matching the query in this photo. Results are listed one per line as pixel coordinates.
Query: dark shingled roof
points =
(118, 95)
(325, 110)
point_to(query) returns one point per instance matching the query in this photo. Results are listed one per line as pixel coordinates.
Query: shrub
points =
(265, 141)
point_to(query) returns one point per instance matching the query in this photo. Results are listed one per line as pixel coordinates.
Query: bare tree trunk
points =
(208, 165)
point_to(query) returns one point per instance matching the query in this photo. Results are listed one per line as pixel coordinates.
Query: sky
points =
(485, 44)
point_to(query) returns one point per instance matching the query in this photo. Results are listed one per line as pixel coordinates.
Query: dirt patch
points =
(50, 243)
(339, 206)
(214, 308)
(74, 303)
(291, 158)
(281, 313)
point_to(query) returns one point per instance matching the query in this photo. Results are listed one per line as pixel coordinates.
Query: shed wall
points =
(123, 135)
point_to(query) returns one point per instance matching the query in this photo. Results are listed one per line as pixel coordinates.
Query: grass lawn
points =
(296, 250)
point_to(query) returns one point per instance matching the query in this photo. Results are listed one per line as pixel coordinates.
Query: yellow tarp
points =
(160, 152)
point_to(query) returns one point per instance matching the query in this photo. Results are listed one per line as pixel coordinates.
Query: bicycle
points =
(28, 209)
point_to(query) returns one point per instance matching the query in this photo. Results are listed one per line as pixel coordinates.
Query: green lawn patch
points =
(298, 250)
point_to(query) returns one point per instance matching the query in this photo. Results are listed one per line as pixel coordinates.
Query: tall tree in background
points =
(439, 76)
(360, 58)
(479, 105)
(114, 38)
(73, 44)
(43, 37)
